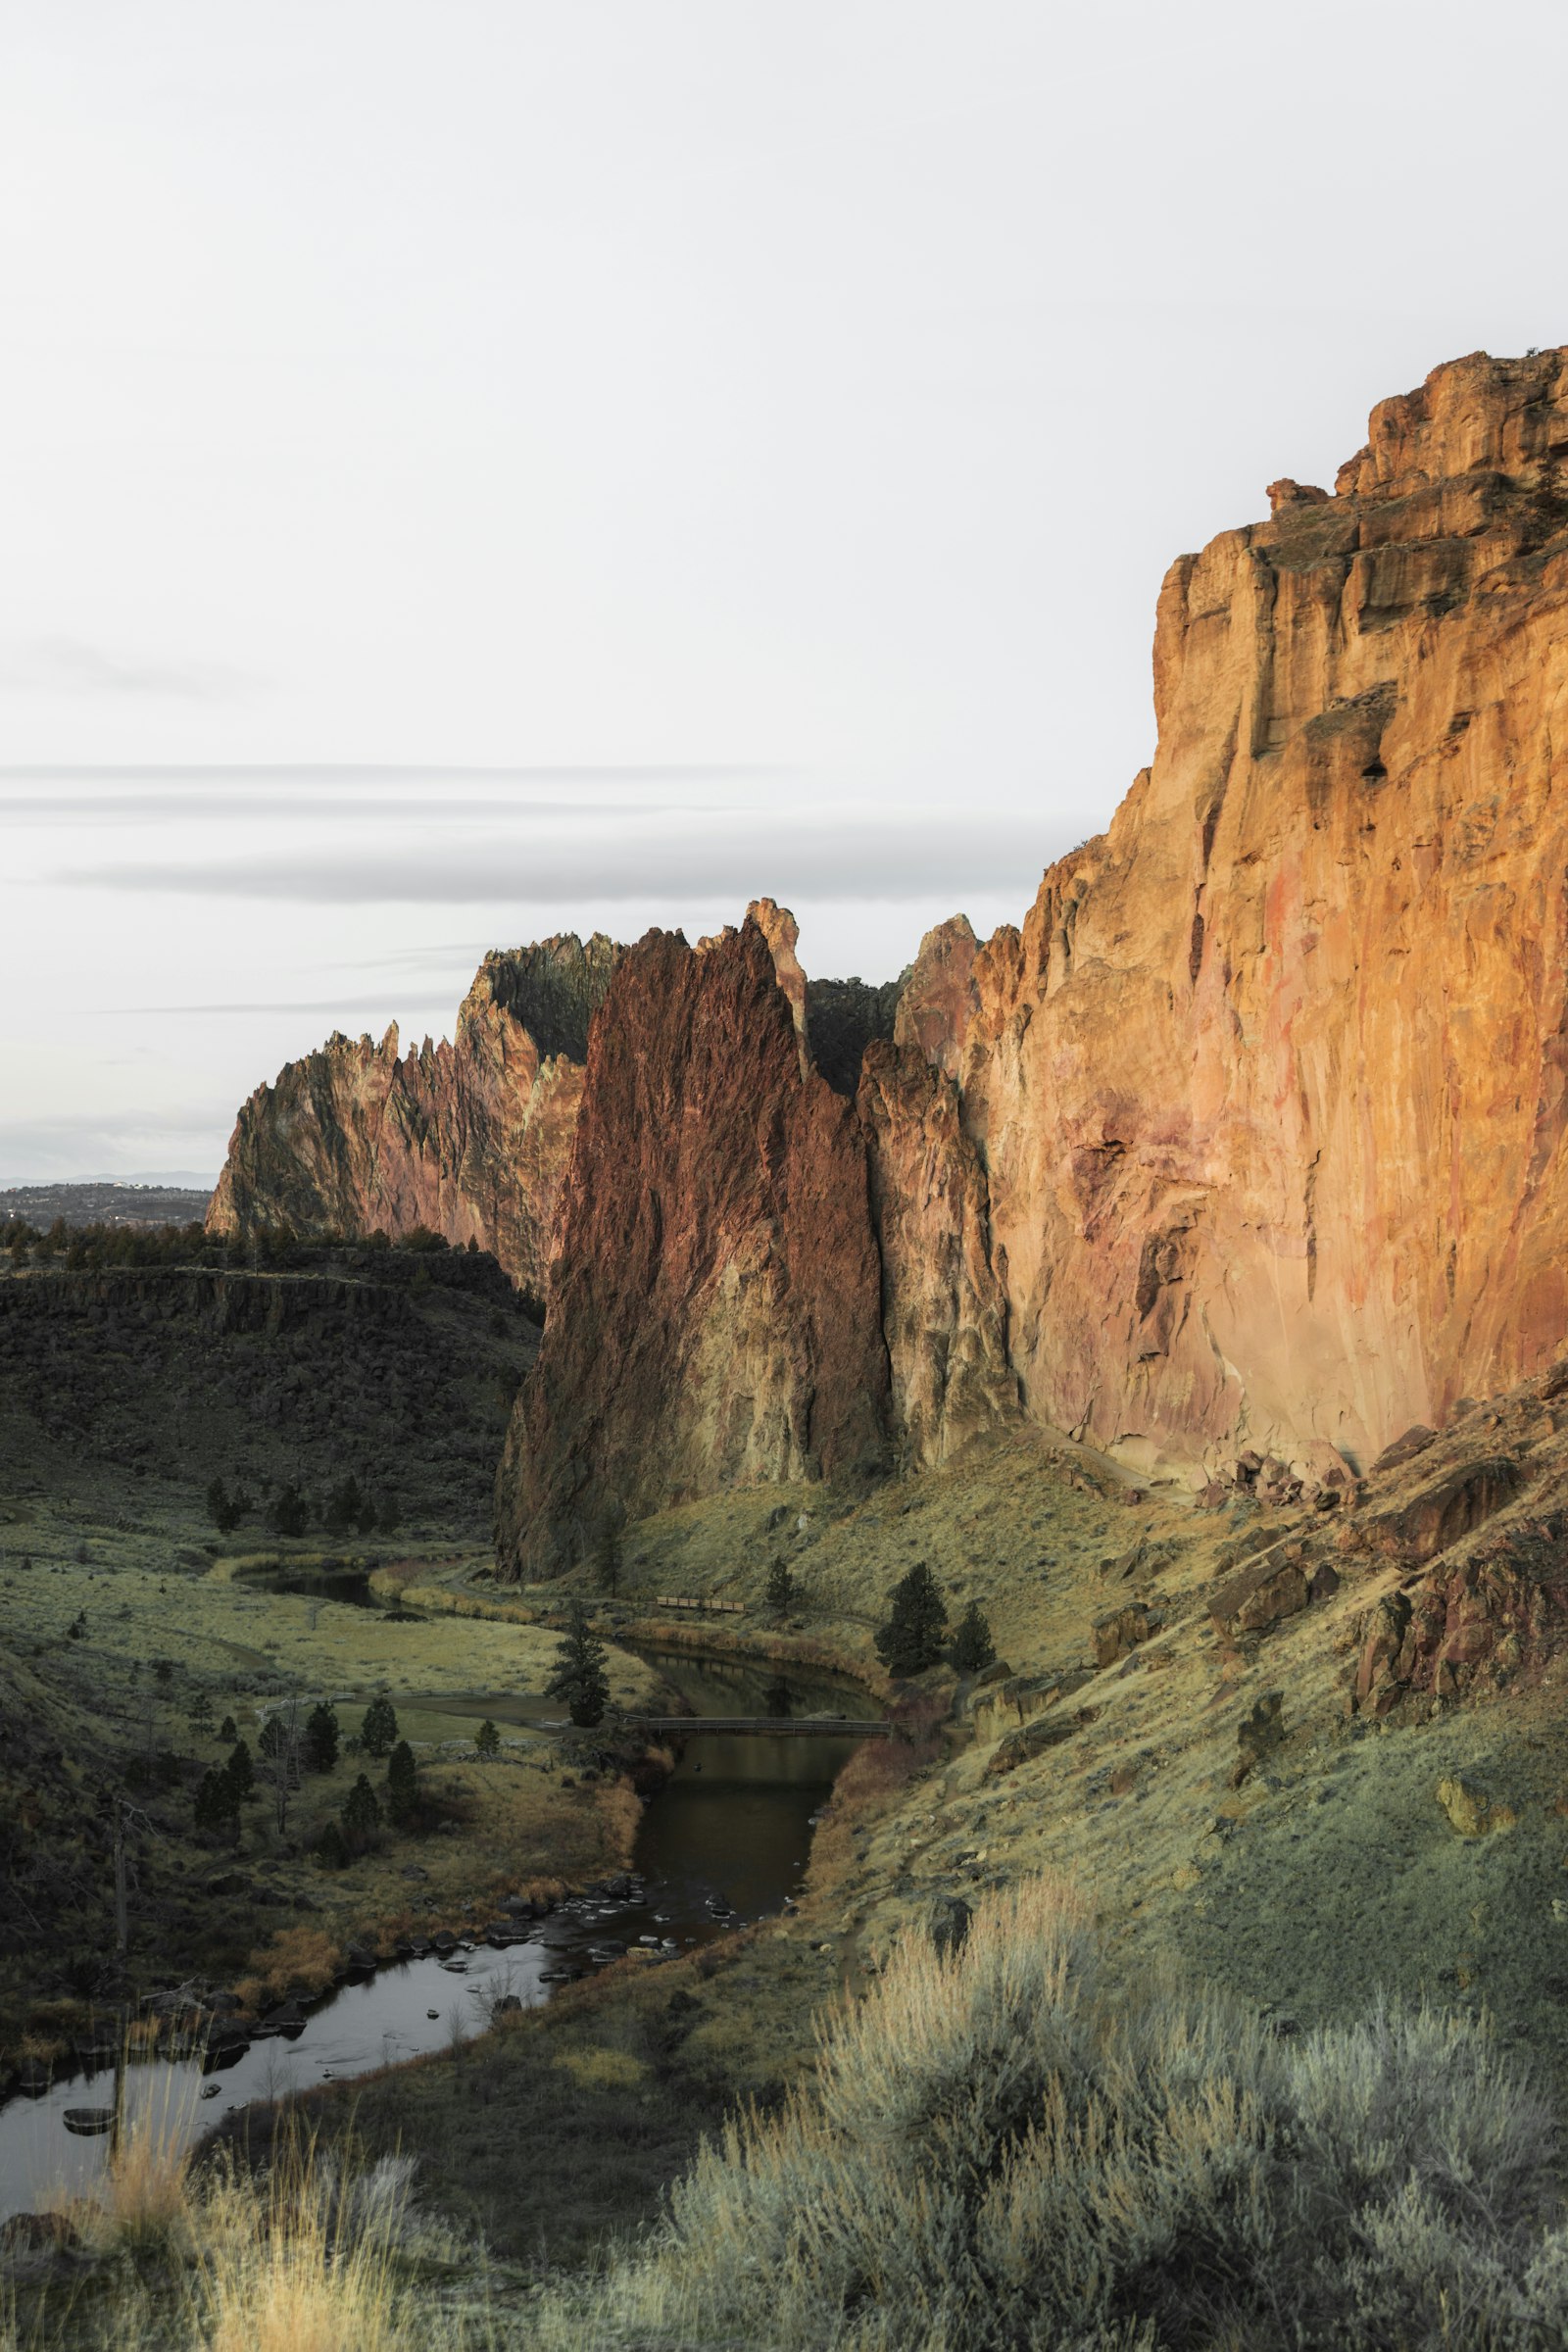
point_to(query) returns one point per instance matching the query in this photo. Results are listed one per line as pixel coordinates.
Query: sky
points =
(475, 471)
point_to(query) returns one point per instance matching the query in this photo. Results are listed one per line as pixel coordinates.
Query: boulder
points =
(1261, 1597)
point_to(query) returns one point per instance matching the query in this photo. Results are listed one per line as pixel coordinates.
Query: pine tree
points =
(216, 1805)
(200, 1716)
(487, 1741)
(241, 1773)
(972, 1645)
(330, 1851)
(579, 1676)
(378, 1732)
(344, 1506)
(321, 1737)
(289, 1514)
(402, 1783)
(916, 1627)
(781, 1588)
(362, 1815)
(227, 1510)
(228, 1731)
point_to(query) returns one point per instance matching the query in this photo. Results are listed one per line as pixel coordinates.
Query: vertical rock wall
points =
(1270, 1085)
(715, 1308)
(470, 1138)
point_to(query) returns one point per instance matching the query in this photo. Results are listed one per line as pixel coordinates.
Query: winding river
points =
(725, 1841)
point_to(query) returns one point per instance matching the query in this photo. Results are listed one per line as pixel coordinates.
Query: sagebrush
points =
(995, 2151)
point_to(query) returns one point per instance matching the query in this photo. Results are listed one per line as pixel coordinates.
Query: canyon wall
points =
(715, 1305)
(1270, 1085)
(471, 1138)
(1252, 1136)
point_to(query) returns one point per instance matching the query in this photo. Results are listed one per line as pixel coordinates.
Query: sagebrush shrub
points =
(994, 2153)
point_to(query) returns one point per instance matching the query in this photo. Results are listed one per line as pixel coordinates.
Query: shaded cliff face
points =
(471, 1138)
(1270, 1087)
(714, 1310)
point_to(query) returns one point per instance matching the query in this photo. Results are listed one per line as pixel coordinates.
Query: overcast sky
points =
(479, 470)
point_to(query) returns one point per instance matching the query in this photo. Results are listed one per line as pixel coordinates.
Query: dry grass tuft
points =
(307, 2264)
(298, 1960)
(994, 2153)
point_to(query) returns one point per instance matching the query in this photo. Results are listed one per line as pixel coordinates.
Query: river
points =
(725, 1841)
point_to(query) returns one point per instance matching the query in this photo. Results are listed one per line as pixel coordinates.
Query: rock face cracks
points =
(714, 1311)
(1248, 1145)
(1270, 1087)
(470, 1138)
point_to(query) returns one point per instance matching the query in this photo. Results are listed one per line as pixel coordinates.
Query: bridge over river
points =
(785, 1727)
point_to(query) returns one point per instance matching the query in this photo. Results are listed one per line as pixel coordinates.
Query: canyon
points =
(1244, 1152)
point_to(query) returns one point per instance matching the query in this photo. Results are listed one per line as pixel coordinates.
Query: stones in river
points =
(88, 2122)
(432, 2013)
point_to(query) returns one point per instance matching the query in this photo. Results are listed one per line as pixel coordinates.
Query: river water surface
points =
(725, 1841)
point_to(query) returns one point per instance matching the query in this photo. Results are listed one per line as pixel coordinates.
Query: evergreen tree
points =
(487, 1741)
(330, 1851)
(388, 1520)
(781, 1589)
(228, 1731)
(972, 1645)
(344, 1506)
(579, 1676)
(916, 1627)
(362, 1815)
(402, 1784)
(227, 1510)
(200, 1716)
(289, 1514)
(379, 1731)
(321, 1737)
(241, 1773)
(216, 1805)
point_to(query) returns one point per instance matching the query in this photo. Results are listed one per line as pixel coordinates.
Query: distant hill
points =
(104, 1203)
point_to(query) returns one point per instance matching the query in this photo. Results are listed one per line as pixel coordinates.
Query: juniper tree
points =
(321, 1737)
(916, 1627)
(402, 1784)
(973, 1647)
(781, 1588)
(241, 1772)
(580, 1677)
(487, 1741)
(216, 1807)
(378, 1732)
(362, 1815)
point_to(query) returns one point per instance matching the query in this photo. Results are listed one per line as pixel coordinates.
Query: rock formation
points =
(715, 1307)
(1242, 1155)
(471, 1138)
(1270, 1088)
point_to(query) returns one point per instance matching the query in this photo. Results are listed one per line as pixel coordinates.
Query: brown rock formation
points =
(1270, 1087)
(944, 1315)
(471, 1138)
(713, 1311)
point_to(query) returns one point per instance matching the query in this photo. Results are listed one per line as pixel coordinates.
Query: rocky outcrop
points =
(1270, 1085)
(470, 1138)
(714, 1310)
(944, 1314)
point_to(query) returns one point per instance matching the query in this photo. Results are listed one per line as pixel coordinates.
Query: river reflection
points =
(724, 1842)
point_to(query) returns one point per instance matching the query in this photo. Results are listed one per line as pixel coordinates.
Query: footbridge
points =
(784, 1726)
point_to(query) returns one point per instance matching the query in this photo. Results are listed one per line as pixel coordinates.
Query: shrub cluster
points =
(994, 2152)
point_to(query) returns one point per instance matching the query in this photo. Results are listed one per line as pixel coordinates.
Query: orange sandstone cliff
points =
(1248, 1144)
(1251, 1142)
(715, 1303)
(470, 1138)
(1270, 1087)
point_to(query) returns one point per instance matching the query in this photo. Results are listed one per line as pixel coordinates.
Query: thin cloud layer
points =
(818, 861)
